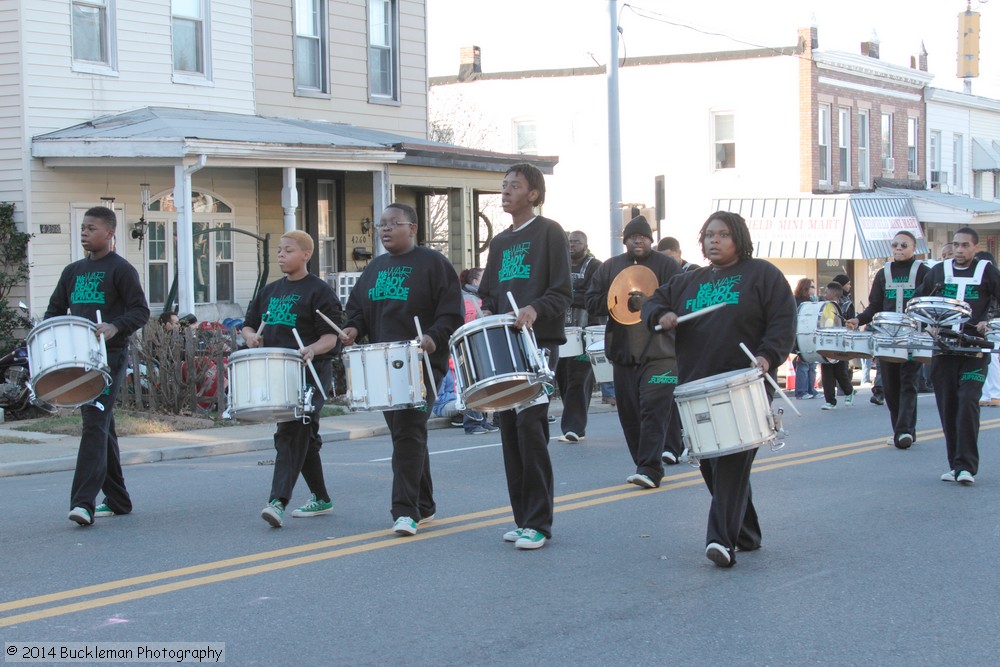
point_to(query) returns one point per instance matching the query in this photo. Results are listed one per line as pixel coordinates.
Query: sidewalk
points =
(52, 453)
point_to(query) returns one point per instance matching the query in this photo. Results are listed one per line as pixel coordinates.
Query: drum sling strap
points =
(901, 287)
(962, 283)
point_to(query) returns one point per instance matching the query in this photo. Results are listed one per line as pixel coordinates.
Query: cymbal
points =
(635, 278)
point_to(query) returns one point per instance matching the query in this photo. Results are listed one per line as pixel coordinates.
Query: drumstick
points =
(771, 380)
(697, 313)
(517, 311)
(340, 332)
(263, 323)
(309, 363)
(427, 357)
(104, 343)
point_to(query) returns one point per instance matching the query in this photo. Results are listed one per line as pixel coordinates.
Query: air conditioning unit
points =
(935, 178)
(890, 164)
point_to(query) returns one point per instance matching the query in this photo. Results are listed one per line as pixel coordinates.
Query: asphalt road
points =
(868, 559)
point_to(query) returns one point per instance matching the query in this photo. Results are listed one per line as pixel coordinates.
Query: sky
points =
(542, 34)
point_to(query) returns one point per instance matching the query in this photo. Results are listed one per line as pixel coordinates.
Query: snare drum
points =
(993, 330)
(68, 365)
(925, 352)
(938, 311)
(813, 317)
(497, 367)
(593, 335)
(603, 370)
(384, 376)
(725, 413)
(894, 324)
(830, 343)
(267, 384)
(893, 349)
(857, 344)
(574, 346)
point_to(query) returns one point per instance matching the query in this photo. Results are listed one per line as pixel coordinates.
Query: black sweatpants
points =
(98, 461)
(412, 488)
(899, 386)
(297, 446)
(525, 438)
(958, 386)
(645, 395)
(834, 374)
(575, 379)
(732, 519)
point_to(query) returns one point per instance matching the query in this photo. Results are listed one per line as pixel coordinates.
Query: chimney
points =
(469, 63)
(870, 48)
(808, 39)
(922, 58)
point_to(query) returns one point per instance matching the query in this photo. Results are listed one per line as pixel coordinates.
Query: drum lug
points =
(779, 430)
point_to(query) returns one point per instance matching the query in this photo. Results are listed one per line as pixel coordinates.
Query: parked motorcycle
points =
(16, 398)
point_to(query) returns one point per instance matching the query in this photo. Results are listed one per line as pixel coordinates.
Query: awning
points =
(817, 227)
(985, 155)
(938, 207)
(167, 136)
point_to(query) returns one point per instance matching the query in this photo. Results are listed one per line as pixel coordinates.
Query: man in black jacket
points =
(644, 363)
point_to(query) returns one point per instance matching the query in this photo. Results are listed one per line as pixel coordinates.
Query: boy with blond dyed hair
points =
(286, 304)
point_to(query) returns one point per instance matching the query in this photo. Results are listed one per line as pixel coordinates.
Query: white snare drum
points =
(993, 330)
(894, 349)
(384, 376)
(573, 347)
(938, 311)
(497, 367)
(593, 335)
(921, 347)
(814, 316)
(830, 343)
(857, 344)
(267, 384)
(894, 324)
(725, 413)
(603, 370)
(69, 368)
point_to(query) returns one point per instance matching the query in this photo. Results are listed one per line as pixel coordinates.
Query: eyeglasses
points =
(900, 245)
(393, 225)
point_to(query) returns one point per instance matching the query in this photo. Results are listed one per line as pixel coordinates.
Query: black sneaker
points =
(877, 400)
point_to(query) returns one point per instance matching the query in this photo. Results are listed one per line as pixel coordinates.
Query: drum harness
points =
(949, 340)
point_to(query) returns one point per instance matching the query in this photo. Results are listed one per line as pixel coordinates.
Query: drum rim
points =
(725, 380)
(264, 353)
(733, 450)
(487, 322)
(382, 346)
(59, 319)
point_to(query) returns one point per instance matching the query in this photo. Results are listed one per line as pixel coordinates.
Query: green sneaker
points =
(103, 510)
(405, 526)
(530, 539)
(314, 507)
(512, 535)
(81, 516)
(273, 513)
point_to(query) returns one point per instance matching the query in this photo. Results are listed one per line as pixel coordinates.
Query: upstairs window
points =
(911, 145)
(844, 145)
(864, 161)
(189, 36)
(310, 46)
(824, 143)
(888, 163)
(525, 137)
(93, 33)
(383, 47)
(957, 160)
(724, 140)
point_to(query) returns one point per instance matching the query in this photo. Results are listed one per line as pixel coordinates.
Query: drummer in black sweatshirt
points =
(958, 378)
(645, 366)
(408, 281)
(106, 282)
(760, 313)
(531, 261)
(899, 380)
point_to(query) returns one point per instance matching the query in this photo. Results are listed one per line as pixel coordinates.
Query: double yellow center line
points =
(149, 585)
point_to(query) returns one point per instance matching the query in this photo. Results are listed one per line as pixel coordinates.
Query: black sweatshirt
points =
(395, 288)
(532, 263)
(977, 296)
(581, 275)
(883, 299)
(109, 284)
(286, 304)
(760, 314)
(630, 345)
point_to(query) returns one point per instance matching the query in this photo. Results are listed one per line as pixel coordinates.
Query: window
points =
(935, 156)
(189, 36)
(957, 145)
(382, 49)
(911, 145)
(844, 146)
(93, 33)
(310, 46)
(525, 137)
(214, 253)
(824, 143)
(724, 138)
(326, 210)
(864, 162)
(887, 142)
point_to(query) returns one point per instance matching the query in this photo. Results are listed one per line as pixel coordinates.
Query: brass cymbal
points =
(635, 278)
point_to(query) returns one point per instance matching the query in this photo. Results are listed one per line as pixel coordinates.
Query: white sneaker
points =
(718, 554)
(405, 526)
(640, 480)
(948, 476)
(669, 458)
(828, 406)
(570, 436)
(530, 539)
(512, 535)
(965, 478)
(905, 440)
(426, 519)
(81, 516)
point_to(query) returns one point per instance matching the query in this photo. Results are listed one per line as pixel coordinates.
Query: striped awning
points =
(857, 226)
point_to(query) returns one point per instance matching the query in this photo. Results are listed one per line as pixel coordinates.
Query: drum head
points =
(502, 393)
(70, 387)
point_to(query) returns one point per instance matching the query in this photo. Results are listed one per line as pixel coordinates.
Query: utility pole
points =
(614, 135)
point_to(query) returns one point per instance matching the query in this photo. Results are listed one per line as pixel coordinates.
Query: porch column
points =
(381, 197)
(185, 239)
(289, 197)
